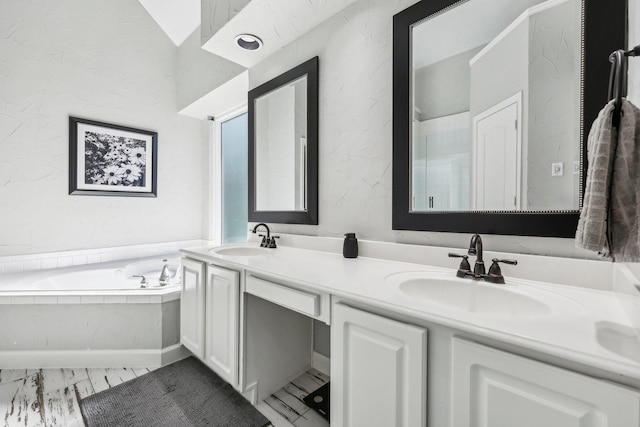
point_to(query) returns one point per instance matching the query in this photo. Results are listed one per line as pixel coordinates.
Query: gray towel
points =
(609, 219)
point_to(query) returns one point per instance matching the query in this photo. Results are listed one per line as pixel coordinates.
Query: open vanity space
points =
(453, 352)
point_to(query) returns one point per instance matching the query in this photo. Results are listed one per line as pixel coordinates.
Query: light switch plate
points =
(557, 169)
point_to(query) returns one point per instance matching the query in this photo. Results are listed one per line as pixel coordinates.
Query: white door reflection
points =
(496, 151)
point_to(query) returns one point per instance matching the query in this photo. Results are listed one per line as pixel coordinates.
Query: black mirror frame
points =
(310, 216)
(604, 30)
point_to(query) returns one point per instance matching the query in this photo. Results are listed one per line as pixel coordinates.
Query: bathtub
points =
(95, 315)
(107, 277)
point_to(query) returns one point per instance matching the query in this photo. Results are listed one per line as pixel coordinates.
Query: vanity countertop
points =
(577, 324)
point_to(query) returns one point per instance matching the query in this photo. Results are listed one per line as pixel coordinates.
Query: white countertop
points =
(577, 320)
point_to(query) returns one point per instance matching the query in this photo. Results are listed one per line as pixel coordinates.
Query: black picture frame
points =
(310, 215)
(111, 160)
(604, 30)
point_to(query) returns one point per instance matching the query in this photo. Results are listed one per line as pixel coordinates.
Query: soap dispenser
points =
(350, 247)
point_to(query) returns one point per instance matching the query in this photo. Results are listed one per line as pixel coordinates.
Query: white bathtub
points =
(94, 315)
(95, 278)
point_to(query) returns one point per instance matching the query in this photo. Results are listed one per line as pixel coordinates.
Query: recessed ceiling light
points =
(249, 41)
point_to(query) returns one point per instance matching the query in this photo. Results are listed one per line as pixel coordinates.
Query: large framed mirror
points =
(492, 105)
(283, 147)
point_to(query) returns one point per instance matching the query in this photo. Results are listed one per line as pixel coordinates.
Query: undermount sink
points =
(240, 251)
(470, 295)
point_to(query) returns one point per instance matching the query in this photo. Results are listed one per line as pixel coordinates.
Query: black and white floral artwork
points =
(114, 160)
(111, 159)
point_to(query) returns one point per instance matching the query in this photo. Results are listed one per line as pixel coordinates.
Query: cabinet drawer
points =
(301, 301)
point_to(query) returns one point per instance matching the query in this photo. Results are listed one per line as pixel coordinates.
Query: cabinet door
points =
(192, 307)
(378, 371)
(222, 317)
(493, 388)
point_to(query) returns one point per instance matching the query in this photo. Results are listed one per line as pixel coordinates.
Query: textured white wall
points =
(448, 81)
(554, 106)
(355, 50)
(102, 60)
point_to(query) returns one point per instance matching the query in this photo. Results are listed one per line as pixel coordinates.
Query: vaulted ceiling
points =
(276, 22)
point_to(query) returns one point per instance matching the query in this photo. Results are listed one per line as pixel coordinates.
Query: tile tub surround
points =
(42, 261)
(87, 328)
(566, 333)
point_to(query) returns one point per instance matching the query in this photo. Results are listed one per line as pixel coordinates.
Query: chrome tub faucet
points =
(164, 274)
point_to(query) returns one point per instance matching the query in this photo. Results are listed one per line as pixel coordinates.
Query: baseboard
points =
(173, 353)
(142, 358)
(251, 393)
(322, 363)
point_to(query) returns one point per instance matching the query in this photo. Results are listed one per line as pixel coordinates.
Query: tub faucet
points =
(143, 282)
(164, 274)
(266, 240)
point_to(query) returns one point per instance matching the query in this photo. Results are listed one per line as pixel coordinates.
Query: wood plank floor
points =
(285, 407)
(50, 397)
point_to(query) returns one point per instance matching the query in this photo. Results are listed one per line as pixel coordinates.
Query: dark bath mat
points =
(185, 393)
(319, 401)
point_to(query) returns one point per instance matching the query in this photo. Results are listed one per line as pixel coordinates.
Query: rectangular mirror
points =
(283, 147)
(493, 100)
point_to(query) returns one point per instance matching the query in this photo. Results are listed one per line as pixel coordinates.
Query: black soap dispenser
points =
(350, 247)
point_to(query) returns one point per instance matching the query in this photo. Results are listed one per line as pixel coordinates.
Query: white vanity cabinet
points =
(499, 389)
(209, 316)
(192, 306)
(378, 371)
(222, 314)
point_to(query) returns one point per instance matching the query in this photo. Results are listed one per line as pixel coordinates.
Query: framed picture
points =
(111, 160)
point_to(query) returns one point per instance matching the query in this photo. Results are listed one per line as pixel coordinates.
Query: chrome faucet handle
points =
(272, 242)
(143, 282)
(465, 268)
(495, 273)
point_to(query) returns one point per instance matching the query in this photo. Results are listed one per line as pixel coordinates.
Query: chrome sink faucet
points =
(479, 272)
(268, 241)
